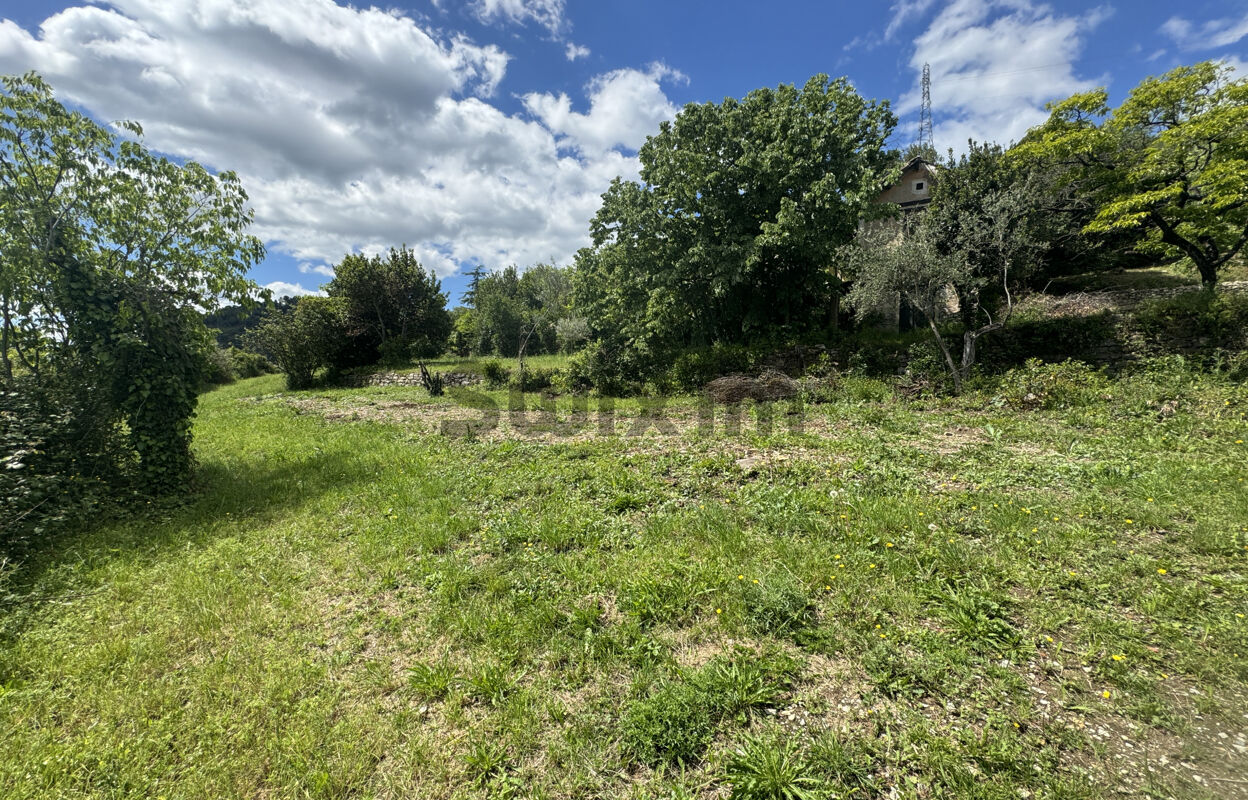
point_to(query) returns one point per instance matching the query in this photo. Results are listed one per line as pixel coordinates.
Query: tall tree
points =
(733, 227)
(469, 297)
(1170, 163)
(394, 299)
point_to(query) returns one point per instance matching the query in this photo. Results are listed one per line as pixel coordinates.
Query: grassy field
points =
(937, 598)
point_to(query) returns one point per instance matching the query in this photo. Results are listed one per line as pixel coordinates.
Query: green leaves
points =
(106, 250)
(1171, 162)
(731, 233)
(394, 301)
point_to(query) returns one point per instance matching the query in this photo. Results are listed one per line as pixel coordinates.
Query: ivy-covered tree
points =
(731, 232)
(106, 251)
(1170, 164)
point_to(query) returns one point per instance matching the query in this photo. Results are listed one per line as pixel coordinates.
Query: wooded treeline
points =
(755, 225)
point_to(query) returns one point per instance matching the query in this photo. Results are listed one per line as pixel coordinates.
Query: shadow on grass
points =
(247, 494)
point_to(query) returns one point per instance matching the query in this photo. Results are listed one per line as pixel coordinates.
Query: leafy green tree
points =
(1170, 163)
(463, 331)
(731, 233)
(966, 257)
(499, 312)
(394, 299)
(105, 251)
(304, 339)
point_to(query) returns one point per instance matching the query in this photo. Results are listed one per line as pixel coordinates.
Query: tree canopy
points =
(1170, 163)
(392, 299)
(731, 232)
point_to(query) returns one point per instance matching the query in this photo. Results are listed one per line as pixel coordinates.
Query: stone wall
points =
(412, 379)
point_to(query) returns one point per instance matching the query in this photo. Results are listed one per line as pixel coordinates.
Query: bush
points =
(218, 367)
(495, 373)
(693, 369)
(59, 448)
(1070, 384)
(249, 365)
(535, 379)
(571, 333)
(1213, 319)
(310, 337)
(608, 369)
(672, 725)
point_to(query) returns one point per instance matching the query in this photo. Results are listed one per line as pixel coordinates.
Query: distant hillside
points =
(231, 322)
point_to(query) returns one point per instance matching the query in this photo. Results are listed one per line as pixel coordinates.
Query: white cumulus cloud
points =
(994, 64)
(625, 106)
(575, 51)
(284, 289)
(352, 129)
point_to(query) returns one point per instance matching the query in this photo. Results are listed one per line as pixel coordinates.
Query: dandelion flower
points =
(1105, 694)
(1119, 657)
(1161, 570)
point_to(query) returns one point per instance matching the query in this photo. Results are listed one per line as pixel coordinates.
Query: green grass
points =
(939, 598)
(1167, 276)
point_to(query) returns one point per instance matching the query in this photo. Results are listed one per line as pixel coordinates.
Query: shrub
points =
(249, 365)
(495, 373)
(535, 379)
(608, 369)
(1070, 384)
(306, 339)
(693, 369)
(571, 333)
(672, 725)
(1210, 319)
(59, 450)
(394, 352)
(218, 367)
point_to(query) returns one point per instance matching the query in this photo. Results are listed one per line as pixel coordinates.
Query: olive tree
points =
(964, 260)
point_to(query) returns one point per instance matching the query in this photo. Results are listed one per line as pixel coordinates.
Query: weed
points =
(771, 769)
(432, 681)
(673, 725)
(777, 604)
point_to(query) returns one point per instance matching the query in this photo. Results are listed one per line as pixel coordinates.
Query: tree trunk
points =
(1208, 272)
(4, 344)
(944, 349)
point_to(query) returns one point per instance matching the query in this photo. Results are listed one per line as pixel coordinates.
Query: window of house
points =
(918, 186)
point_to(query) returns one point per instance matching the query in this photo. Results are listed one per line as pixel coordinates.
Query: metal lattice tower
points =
(925, 111)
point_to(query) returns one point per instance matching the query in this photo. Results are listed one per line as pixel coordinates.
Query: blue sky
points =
(483, 132)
